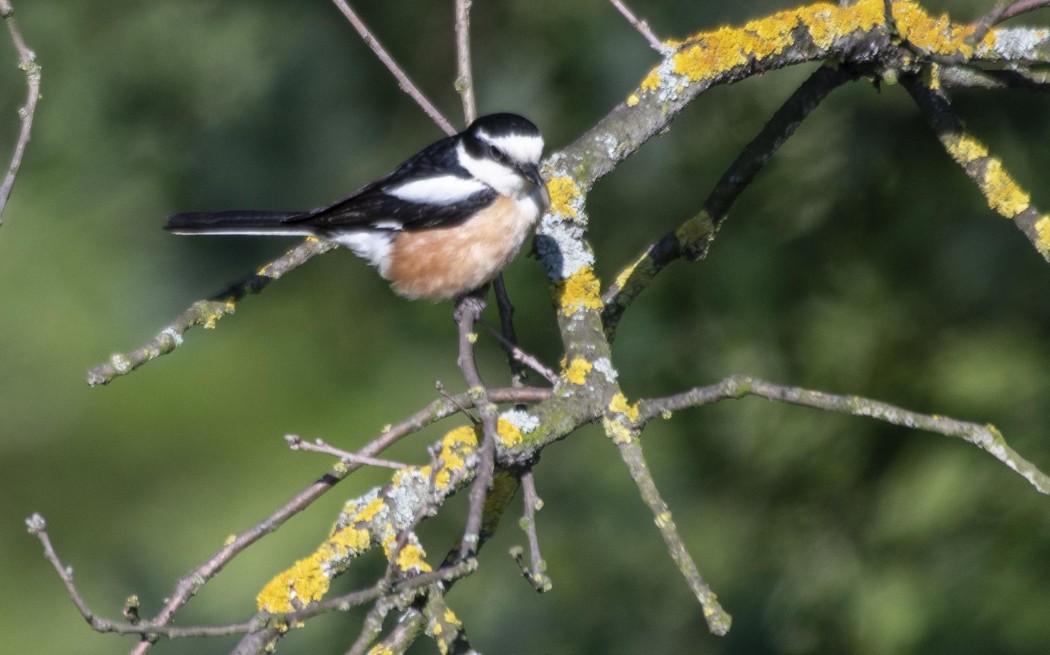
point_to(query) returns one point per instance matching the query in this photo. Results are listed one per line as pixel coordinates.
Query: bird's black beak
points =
(531, 172)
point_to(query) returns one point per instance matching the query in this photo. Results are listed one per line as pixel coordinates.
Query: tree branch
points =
(642, 27)
(985, 437)
(27, 62)
(1004, 195)
(206, 313)
(464, 74)
(402, 79)
(693, 237)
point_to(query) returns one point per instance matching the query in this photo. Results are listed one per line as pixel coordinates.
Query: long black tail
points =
(237, 222)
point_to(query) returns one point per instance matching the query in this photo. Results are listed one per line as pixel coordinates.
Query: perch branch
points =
(206, 313)
(468, 311)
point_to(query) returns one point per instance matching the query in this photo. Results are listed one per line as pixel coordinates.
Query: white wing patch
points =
(440, 190)
(373, 247)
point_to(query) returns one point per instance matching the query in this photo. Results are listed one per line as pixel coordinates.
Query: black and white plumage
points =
(443, 223)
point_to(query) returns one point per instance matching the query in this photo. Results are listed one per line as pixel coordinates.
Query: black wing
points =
(372, 207)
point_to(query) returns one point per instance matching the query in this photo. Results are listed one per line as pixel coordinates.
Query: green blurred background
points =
(861, 261)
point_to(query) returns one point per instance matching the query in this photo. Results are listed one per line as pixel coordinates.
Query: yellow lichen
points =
(651, 81)
(633, 100)
(454, 448)
(389, 541)
(617, 431)
(696, 229)
(1042, 231)
(1002, 192)
(620, 405)
(935, 35)
(564, 193)
(580, 290)
(380, 649)
(712, 53)
(304, 582)
(577, 370)
(509, 434)
(451, 618)
(964, 148)
(368, 512)
(214, 310)
(411, 558)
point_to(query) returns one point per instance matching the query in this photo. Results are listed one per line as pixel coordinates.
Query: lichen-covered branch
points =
(866, 38)
(1004, 195)
(693, 237)
(986, 437)
(206, 313)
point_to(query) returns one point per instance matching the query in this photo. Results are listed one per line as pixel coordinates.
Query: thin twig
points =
(192, 582)
(536, 574)
(36, 525)
(295, 442)
(402, 79)
(718, 621)
(985, 437)
(691, 240)
(464, 74)
(642, 27)
(984, 23)
(509, 334)
(468, 311)
(518, 356)
(27, 62)
(1003, 10)
(1023, 6)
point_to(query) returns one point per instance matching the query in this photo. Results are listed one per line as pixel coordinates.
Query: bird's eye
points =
(496, 154)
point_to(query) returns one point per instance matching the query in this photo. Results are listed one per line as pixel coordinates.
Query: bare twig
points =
(509, 336)
(984, 23)
(468, 311)
(985, 437)
(295, 442)
(519, 357)
(402, 79)
(642, 27)
(27, 62)
(464, 74)
(1019, 7)
(36, 525)
(1003, 10)
(536, 574)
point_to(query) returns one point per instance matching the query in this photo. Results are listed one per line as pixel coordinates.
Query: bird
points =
(439, 226)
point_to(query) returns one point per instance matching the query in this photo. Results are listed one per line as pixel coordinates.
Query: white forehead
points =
(519, 147)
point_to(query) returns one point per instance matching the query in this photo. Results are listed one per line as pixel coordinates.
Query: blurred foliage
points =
(861, 261)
